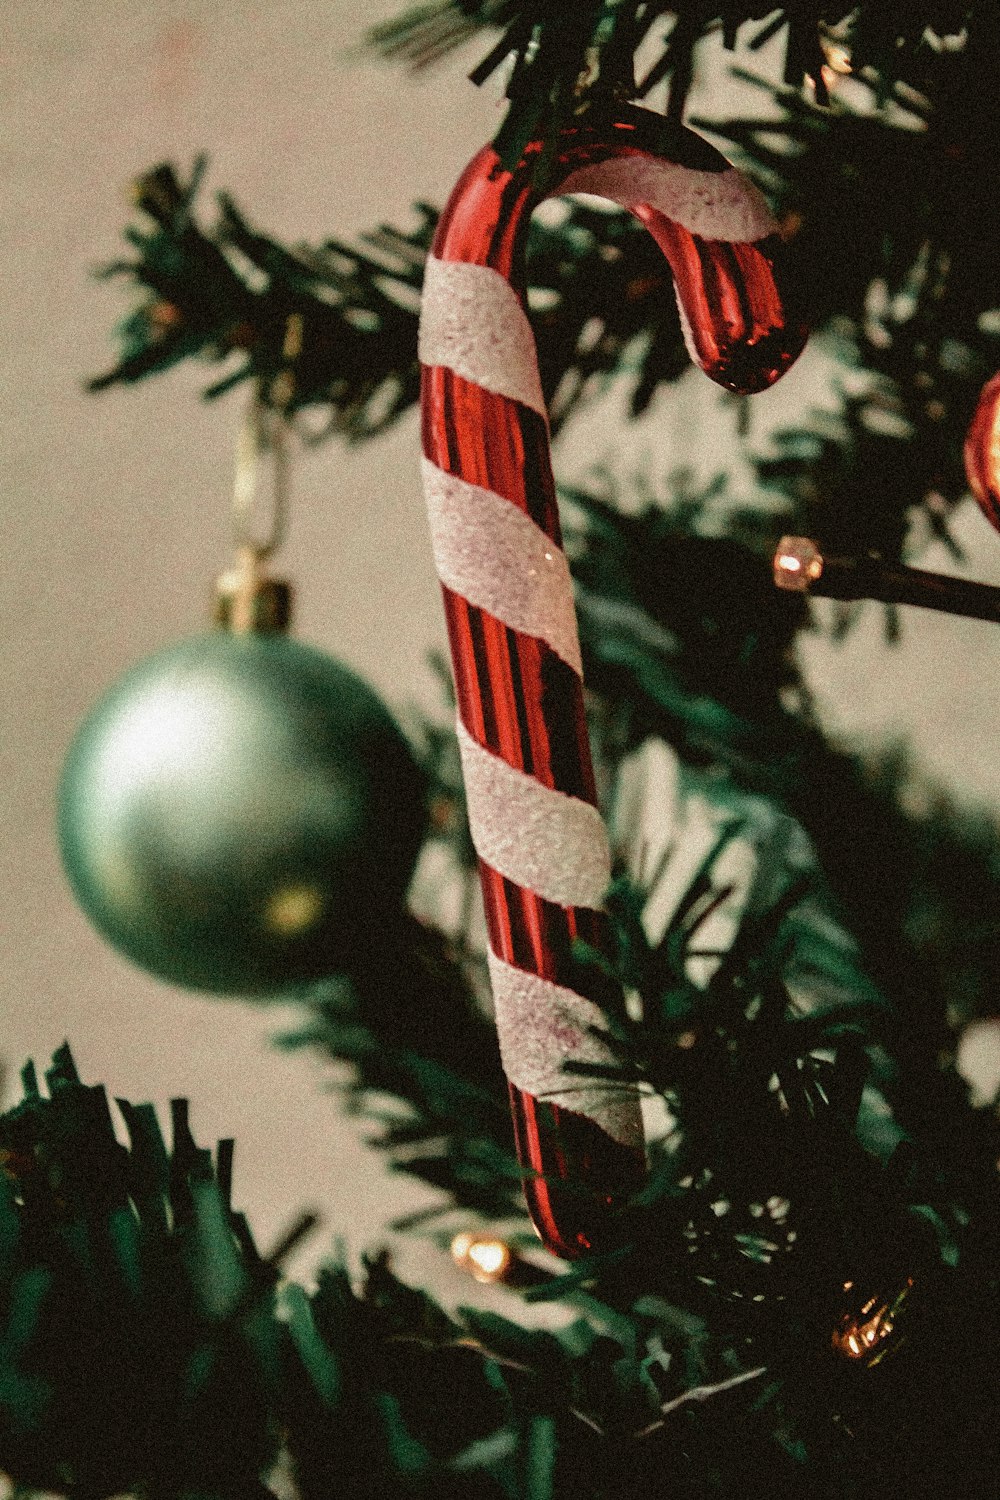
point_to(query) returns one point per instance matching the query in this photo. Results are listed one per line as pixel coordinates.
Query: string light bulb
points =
(486, 1257)
(835, 67)
(802, 566)
(866, 1336)
(838, 61)
(798, 563)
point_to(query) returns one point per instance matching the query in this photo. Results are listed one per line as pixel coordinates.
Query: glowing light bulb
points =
(485, 1257)
(867, 1334)
(798, 562)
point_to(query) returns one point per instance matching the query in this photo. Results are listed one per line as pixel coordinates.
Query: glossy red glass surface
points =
(982, 452)
(582, 1174)
(491, 441)
(729, 297)
(736, 297)
(519, 699)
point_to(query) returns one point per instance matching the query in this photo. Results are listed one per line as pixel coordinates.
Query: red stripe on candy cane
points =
(491, 442)
(535, 934)
(508, 602)
(519, 699)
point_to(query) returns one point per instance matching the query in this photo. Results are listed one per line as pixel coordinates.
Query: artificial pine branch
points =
(563, 52)
(132, 1300)
(897, 246)
(701, 1356)
(412, 1025)
(145, 1346)
(226, 293)
(712, 672)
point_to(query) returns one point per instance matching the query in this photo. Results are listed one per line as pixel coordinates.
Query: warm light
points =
(798, 562)
(491, 1260)
(866, 1335)
(855, 1339)
(837, 65)
(485, 1258)
(838, 58)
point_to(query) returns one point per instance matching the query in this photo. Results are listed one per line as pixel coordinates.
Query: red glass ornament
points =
(982, 452)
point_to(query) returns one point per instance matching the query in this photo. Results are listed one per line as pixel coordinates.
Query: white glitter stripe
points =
(499, 559)
(715, 205)
(472, 322)
(541, 1026)
(554, 844)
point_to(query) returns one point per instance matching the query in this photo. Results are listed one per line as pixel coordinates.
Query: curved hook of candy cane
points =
(542, 844)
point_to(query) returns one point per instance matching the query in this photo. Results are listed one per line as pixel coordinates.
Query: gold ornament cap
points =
(249, 600)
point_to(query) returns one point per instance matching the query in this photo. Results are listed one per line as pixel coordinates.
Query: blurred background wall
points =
(115, 511)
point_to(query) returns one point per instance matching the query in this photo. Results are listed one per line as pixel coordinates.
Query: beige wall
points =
(115, 508)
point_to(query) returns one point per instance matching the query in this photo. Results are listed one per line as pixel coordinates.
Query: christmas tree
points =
(766, 1197)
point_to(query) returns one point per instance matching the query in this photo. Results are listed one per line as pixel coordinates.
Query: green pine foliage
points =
(555, 48)
(148, 1347)
(819, 1159)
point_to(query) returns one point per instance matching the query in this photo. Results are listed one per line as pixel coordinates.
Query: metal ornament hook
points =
(264, 433)
(247, 597)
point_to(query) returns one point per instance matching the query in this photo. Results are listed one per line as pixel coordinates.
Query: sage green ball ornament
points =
(240, 814)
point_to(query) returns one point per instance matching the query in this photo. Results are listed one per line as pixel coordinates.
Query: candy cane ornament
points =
(543, 852)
